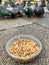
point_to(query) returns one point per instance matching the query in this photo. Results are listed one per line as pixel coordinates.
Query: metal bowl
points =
(24, 36)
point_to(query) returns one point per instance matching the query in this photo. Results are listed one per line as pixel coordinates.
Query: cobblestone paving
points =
(39, 28)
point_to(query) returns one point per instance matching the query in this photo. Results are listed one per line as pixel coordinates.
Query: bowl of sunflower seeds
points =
(23, 48)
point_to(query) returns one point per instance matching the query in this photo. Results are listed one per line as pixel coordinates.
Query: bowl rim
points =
(24, 58)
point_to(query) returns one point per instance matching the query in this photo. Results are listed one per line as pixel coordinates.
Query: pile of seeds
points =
(23, 48)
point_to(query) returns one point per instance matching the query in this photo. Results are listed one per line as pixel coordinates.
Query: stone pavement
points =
(9, 23)
(39, 27)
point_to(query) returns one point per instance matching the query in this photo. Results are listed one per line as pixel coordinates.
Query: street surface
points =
(39, 27)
